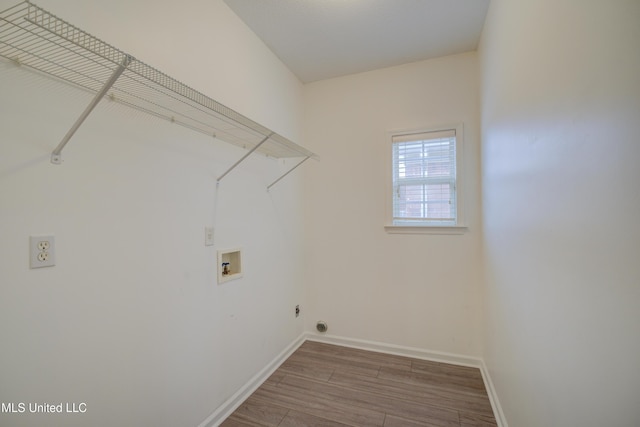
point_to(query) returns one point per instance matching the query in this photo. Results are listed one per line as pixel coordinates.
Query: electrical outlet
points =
(42, 251)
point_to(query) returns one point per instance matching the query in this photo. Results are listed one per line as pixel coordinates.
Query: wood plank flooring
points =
(331, 386)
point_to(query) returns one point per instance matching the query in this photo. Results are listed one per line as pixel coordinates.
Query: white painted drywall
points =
(419, 291)
(131, 320)
(560, 150)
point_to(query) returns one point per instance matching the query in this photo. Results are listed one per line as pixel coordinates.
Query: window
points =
(426, 190)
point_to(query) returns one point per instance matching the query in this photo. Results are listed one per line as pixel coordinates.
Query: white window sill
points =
(425, 229)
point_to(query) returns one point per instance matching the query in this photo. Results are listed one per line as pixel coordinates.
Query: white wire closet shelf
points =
(33, 37)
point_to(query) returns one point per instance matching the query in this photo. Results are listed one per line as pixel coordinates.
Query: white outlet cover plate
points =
(42, 251)
(208, 236)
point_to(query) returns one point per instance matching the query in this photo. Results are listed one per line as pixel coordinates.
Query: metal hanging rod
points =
(33, 37)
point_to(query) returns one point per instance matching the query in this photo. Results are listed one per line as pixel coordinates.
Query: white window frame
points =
(428, 228)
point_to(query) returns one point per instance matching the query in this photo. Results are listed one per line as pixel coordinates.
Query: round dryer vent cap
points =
(322, 326)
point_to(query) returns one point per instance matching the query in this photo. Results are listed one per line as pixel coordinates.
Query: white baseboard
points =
(493, 397)
(227, 408)
(416, 353)
(231, 404)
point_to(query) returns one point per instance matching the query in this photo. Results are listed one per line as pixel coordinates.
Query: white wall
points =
(560, 150)
(131, 319)
(419, 291)
(201, 43)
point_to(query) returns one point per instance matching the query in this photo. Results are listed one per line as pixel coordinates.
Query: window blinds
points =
(424, 178)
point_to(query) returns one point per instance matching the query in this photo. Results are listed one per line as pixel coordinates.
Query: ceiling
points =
(321, 39)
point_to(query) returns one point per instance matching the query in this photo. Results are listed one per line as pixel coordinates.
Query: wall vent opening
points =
(322, 326)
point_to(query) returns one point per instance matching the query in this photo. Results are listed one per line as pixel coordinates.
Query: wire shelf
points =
(31, 36)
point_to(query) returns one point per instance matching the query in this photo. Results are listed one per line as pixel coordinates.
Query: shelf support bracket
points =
(243, 157)
(288, 172)
(56, 158)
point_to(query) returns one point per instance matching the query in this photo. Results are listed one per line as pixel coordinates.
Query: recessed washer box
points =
(229, 264)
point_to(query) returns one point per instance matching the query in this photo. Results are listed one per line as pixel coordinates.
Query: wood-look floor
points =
(332, 386)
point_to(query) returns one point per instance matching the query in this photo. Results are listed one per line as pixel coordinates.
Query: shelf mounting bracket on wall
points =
(288, 172)
(243, 158)
(56, 157)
